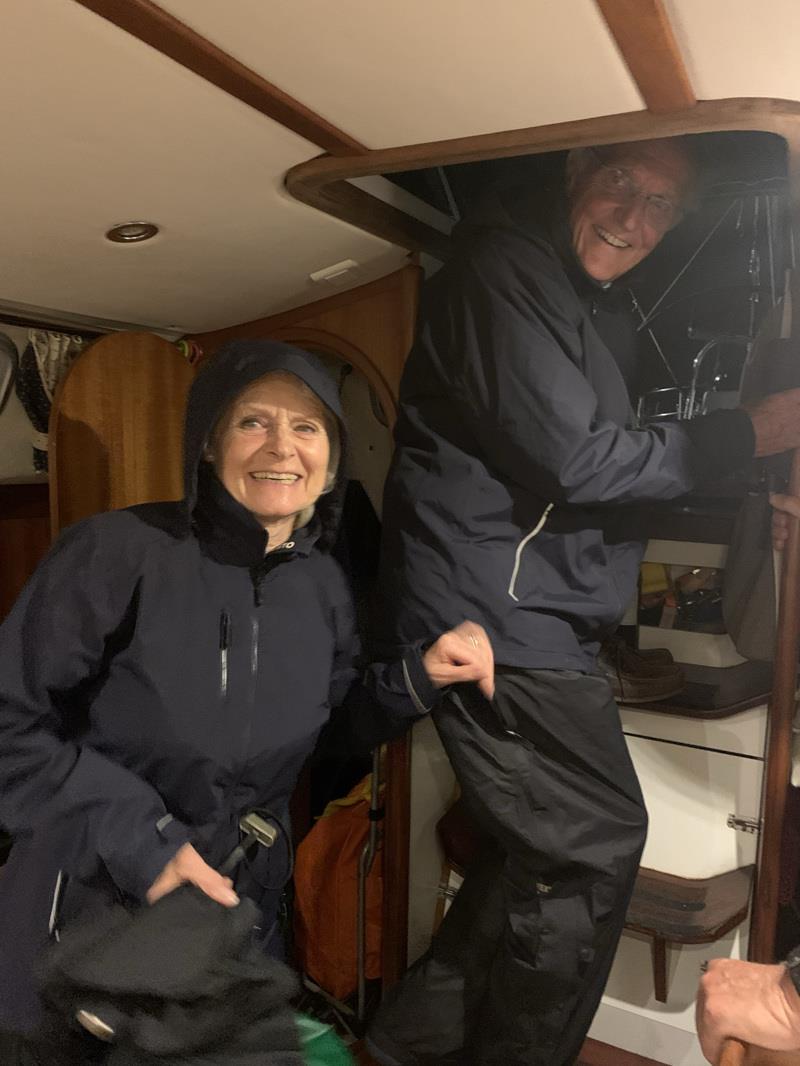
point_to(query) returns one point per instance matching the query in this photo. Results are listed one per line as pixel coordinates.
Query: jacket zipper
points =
(254, 650)
(247, 729)
(521, 548)
(53, 924)
(224, 645)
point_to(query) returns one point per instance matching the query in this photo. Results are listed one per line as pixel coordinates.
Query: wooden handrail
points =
(732, 1054)
(779, 744)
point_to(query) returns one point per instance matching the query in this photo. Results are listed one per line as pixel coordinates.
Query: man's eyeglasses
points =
(661, 212)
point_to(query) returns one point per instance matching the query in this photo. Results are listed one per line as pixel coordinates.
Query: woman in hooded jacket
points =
(169, 668)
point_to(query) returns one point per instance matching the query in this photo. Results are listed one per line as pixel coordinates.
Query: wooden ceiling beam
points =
(647, 43)
(168, 35)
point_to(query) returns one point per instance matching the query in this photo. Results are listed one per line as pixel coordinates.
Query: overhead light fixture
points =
(132, 232)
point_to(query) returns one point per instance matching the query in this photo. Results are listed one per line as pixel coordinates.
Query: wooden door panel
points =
(116, 428)
(24, 537)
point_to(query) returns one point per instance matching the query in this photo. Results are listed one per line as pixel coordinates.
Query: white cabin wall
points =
(433, 789)
(16, 453)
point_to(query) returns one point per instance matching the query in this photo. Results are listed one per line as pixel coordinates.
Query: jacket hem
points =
(523, 660)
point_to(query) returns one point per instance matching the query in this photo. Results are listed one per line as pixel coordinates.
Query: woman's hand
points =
(462, 654)
(187, 866)
(783, 507)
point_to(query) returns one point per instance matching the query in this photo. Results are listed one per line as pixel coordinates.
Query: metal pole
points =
(365, 862)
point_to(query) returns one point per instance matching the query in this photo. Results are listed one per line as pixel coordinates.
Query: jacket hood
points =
(218, 383)
(511, 205)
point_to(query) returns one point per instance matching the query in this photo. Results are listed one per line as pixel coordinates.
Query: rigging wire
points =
(638, 309)
(645, 321)
(754, 269)
(452, 203)
(771, 248)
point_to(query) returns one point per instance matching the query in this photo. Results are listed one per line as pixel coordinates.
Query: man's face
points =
(621, 209)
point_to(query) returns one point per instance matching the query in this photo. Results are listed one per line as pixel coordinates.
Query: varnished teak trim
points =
(321, 182)
(645, 39)
(173, 38)
(593, 1053)
(778, 766)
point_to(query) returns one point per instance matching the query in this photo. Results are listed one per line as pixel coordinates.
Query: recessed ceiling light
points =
(132, 232)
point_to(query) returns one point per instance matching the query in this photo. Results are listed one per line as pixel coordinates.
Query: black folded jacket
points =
(183, 981)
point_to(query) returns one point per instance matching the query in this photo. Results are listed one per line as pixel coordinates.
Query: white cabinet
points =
(690, 793)
(694, 774)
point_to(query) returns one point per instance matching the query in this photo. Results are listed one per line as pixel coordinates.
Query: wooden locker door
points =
(116, 427)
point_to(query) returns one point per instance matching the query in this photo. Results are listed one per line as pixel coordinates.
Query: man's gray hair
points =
(582, 163)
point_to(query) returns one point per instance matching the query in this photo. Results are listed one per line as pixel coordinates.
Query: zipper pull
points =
(257, 574)
(224, 644)
(55, 907)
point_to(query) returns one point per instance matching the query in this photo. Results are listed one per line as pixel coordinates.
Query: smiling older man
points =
(512, 499)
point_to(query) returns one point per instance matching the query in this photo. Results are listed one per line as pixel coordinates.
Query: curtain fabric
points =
(43, 364)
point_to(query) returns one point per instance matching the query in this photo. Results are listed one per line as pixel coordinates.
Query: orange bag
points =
(326, 896)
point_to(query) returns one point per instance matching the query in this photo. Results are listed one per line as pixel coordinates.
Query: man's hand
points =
(783, 506)
(756, 1004)
(462, 654)
(776, 423)
(187, 866)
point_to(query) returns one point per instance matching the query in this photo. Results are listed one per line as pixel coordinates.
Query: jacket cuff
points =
(134, 872)
(724, 441)
(424, 695)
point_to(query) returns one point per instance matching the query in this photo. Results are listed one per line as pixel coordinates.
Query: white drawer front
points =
(740, 734)
(689, 794)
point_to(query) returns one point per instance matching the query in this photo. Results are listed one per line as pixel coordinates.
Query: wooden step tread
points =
(686, 910)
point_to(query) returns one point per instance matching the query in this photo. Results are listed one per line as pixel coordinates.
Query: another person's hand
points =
(776, 422)
(187, 866)
(783, 507)
(753, 1003)
(462, 654)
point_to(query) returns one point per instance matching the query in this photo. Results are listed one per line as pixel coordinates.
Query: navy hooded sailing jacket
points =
(160, 675)
(516, 489)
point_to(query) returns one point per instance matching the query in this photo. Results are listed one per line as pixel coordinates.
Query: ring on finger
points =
(473, 640)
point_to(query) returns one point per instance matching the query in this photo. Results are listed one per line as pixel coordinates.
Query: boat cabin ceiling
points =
(189, 114)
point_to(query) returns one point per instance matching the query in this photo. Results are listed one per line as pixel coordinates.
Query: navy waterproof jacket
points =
(160, 675)
(517, 484)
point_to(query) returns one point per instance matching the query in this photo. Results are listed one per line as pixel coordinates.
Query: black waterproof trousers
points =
(516, 972)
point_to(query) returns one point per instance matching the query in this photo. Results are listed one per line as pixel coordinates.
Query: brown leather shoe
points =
(638, 679)
(654, 655)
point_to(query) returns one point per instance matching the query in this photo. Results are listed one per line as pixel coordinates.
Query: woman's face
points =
(271, 451)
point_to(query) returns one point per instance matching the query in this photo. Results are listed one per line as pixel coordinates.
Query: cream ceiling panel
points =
(399, 73)
(97, 128)
(740, 48)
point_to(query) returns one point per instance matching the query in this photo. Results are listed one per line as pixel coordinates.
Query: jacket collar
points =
(231, 534)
